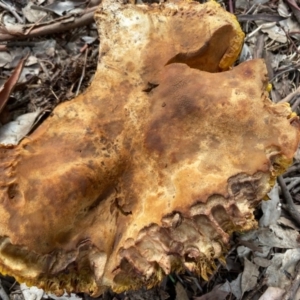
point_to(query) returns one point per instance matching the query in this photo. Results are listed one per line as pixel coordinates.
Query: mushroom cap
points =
(154, 166)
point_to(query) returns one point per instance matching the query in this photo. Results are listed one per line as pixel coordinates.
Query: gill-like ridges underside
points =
(192, 242)
(58, 271)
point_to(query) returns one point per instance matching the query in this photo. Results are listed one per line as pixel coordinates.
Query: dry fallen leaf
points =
(273, 236)
(5, 58)
(262, 262)
(287, 223)
(249, 276)
(291, 26)
(63, 7)
(33, 15)
(272, 293)
(282, 264)
(65, 296)
(271, 209)
(243, 252)
(29, 72)
(246, 54)
(283, 9)
(180, 292)
(10, 84)
(233, 287)
(13, 132)
(295, 8)
(275, 32)
(31, 293)
(216, 293)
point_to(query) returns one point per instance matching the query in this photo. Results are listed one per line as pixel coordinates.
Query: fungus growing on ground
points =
(154, 166)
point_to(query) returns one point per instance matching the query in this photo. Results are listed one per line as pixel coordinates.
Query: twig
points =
(292, 169)
(287, 180)
(252, 9)
(231, 6)
(251, 295)
(11, 82)
(286, 70)
(290, 294)
(289, 38)
(3, 294)
(34, 25)
(83, 71)
(290, 206)
(261, 16)
(258, 52)
(12, 286)
(62, 24)
(295, 181)
(41, 8)
(12, 11)
(296, 190)
(295, 104)
(194, 279)
(291, 96)
(44, 68)
(53, 93)
(253, 32)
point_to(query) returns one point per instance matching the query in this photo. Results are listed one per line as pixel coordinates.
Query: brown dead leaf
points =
(233, 287)
(180, 292)
(283, 264)
(274, 31)
(295, 8)
(249, 277)
(216, 293)
(274, 236)
(33, 15)
(11, 83)
(284, 222)
(262, 262)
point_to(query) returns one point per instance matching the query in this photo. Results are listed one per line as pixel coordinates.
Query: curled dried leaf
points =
(10, 84)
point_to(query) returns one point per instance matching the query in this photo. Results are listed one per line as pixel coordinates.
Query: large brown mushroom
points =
(154, 166)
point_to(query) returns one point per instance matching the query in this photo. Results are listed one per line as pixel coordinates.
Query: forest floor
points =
(61, 61)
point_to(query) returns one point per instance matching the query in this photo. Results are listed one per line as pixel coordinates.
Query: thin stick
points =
(231, 6)
(295, 104)
(289, 38)
(289, 69)
(290, 294)
(3, 294)
(83, 71)
(59, 26)
(290, 206)
(291, 96)
(12, 11)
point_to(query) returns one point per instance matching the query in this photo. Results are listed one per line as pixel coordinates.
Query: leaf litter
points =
(61, 42)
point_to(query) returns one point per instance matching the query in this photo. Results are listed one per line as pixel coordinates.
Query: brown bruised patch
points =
(204, 58)
(197, 113)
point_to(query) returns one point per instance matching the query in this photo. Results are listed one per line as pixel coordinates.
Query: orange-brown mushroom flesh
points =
(154, 166)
